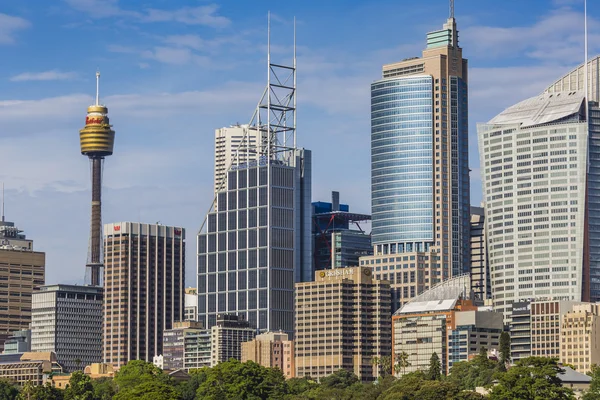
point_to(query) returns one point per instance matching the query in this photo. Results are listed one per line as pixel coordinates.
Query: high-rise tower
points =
(97, 141)
(419, 168)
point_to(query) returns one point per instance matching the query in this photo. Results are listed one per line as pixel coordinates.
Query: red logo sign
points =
(117, 228)
(94, 121)
(177, 232)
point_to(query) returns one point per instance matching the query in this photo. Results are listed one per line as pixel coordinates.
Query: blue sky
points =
(172, 72)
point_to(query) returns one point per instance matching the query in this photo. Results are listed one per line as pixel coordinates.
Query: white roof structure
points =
(541, 109)
(442, 297)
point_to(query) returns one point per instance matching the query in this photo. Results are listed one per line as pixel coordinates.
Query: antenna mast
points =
(451, 8)
(585, 65)
(97, 88)
(2, 201)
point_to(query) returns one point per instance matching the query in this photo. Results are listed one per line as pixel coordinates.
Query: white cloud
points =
(9, 25)
(53, 75)
(192, 41)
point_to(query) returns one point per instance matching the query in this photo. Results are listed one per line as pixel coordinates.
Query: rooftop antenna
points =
(2, 201)
(585, 44)
(97, 88)
(451, 8)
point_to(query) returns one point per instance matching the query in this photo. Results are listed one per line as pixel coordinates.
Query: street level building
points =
(419, 168)
(144, 288)
(271, 350)
(336, 245)
(67, 320)
(33, 367)
(227, 336)
(22, 272)
(443, 320)
(520, 331)
(342, 322)
(480, 268)
(580, 337)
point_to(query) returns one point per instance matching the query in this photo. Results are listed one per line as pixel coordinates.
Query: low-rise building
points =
(272, 350)
(34, 367)
(580, 337)
(227, 337)
(177, 342)
(342, 322)
(18, 343)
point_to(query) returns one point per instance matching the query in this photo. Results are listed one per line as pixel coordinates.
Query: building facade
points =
(174, 344)
(546, 317)
(144, 288)
(336, 245)
(191, 305)
(580, 337)
(198, 349)
(446, 321)
(342, 322)
(534, 163)
(227, 336)
(33, 367)
(19, 342)
(271, 350)
(480, 268)
(258, 243)
(520, 331)
(22, 272)
(419, 166)
(67, 320)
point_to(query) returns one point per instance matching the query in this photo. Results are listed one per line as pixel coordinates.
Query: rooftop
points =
(442, 297)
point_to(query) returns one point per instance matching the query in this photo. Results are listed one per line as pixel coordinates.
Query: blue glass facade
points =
(402, 161)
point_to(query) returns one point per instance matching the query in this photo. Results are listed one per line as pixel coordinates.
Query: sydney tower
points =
(97, 141)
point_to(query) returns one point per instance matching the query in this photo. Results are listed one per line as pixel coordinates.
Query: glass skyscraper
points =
(419, 168)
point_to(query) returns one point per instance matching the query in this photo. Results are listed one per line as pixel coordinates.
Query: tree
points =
(340, 379)
(136, 372)
(385, 363)
(80, 387)
(104, 388)
(187, 390)
(44, 392)
(533, 378)
(480, 371)
(593, 392)
(8, 391)
(402, 362)
(434, 372)
(148, 390)
(504, 349)
(376, 362)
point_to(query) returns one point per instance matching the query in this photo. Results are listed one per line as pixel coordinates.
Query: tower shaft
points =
(94, 264)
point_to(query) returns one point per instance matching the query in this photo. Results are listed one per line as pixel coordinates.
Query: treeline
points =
(533, 378)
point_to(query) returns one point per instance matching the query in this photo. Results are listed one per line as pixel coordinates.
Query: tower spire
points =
(2, 201)
(97, 88)
(451, 8)
(585, 65)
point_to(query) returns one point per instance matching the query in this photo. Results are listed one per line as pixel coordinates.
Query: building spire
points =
(585, 65)
(451, 8)
(97, 88)
(2, 201)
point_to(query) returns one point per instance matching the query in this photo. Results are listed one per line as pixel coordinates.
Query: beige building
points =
(342, 321)
(22, 271)
(580, 337)
(419, 169)
(272, 350)
(144, 271)
(34, 367)
(546, 317)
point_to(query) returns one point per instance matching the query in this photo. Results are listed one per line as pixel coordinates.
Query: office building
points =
(227, 336)
(177, 342)
(191, 305)
(535, 174)
(143, 288)
(233, 145)
(520, 331)
(336, 245)
(419, 168)
(18, 343)
(256, 240)
(480, 268)
(342, 322)
(22, 272)
(197, 350)
(546, 317)
(33, 367)
(580, 337)
(438, 321)
(271, 350)
(67, 320)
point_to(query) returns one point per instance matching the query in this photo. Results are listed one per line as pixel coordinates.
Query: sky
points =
(173, 72)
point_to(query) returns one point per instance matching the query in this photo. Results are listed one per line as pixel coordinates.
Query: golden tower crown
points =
(97, 138)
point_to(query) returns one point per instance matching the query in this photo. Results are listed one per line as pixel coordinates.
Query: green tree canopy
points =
(434, 372)
(340, 379)
(137, 372)
(79, 388)
(104, 388)
(480, 371)
(148, 390)
(533, 378)
(504, 349)
(8, 391)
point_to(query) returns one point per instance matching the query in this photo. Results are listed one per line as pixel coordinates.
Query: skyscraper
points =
(256, 241)
(419, 166)
(22, 272)
(480, 267)
(143, 288)
(97, 141)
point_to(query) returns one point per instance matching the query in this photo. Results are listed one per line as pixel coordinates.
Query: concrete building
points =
(342, 322)
(271, 350)
(227, 336)
(520, 331)
(419, 167)
(19, 342)
(191, 305)
(546, 317)
(22, 272)
(67, 320)
(446, 321)
(34, 367)
(233, 145)
(176, 342)
(143, 285)
(198, 349)
(480, 267)
(336, 244)
(580, 337)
